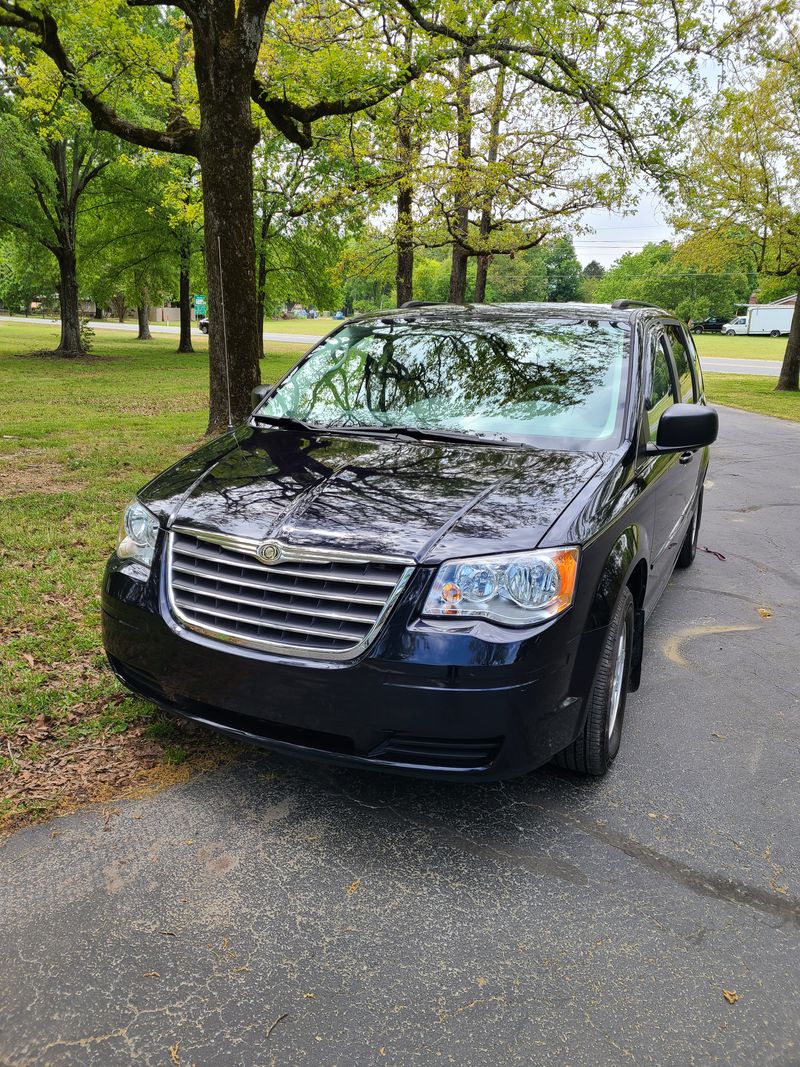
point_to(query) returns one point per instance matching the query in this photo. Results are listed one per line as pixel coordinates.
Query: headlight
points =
(515, 589)
(138, 533)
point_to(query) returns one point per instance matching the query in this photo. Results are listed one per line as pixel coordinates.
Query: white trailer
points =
(761, 319)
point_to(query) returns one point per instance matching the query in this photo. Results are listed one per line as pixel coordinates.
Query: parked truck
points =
(773, 320)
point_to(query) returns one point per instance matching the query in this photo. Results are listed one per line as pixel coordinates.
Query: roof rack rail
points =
(622, 305)
(421, 304)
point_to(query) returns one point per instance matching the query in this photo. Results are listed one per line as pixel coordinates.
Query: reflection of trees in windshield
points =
(491, 378)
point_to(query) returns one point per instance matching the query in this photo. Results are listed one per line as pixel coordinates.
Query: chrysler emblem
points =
(269, 552)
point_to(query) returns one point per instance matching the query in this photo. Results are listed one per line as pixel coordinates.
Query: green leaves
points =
(740, 186)
(695, 280)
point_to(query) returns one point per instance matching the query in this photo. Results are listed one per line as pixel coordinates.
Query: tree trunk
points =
(143, 314)
(404, 278)
(118, 304)
(261, 282)
(70, 342)
(460, 228)
(405, 245)
(458, 275)
(185, 301)
(486, 213)
(227, 139)
(481, 273)
(789, 378)
(65, 229)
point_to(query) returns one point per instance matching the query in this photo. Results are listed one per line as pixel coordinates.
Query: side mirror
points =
(683, 427)
(258, 394)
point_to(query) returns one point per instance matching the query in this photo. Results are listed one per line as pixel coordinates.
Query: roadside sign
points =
(200, 304)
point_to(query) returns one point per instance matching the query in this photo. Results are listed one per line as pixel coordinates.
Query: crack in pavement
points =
(703, 883)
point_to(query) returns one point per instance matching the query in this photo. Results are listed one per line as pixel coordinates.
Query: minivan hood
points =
(426, 500)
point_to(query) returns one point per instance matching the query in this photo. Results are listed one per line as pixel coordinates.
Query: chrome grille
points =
(314, 602)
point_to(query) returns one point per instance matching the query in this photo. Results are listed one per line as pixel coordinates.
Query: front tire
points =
(596, 747)
(775, 333)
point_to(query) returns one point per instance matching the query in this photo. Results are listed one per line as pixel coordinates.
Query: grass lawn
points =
(751, 392)
(714, 345)
(77, 439)
(318, 327)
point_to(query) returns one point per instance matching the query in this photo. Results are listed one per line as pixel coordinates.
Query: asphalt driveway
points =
(273, 912)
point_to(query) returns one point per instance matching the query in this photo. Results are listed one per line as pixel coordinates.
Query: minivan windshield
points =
(551, 381)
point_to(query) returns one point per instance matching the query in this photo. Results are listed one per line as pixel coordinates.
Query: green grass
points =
(77, 439)
(714, 345)
(316, 326)
(751, 392)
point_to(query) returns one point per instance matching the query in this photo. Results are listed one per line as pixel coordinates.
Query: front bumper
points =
(445, 701)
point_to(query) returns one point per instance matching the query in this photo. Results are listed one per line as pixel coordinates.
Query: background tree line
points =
(358, 156)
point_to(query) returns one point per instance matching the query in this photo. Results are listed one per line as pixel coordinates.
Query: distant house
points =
(784, 302)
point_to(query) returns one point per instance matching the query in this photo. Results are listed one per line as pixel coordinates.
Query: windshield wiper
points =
(286, 422)
(419, 434)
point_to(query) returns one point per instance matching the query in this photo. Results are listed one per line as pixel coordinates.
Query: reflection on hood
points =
(427, 500)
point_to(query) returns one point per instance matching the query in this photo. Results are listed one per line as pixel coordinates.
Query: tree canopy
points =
(360, 155)
(682, 279)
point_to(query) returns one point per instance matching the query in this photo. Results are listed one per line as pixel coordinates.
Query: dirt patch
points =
(53, 778)
(28, 471)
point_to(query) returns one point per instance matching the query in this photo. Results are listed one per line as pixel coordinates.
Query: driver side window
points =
(662, 391)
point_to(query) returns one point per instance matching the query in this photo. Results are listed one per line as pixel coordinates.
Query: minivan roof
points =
(509, 312)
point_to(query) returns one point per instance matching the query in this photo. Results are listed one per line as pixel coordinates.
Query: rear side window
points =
(680, 353)
(662, 390)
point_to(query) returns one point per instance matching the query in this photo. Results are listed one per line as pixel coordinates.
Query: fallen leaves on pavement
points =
(46, 774)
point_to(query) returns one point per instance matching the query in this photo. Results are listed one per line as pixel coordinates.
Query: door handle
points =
(686, 457)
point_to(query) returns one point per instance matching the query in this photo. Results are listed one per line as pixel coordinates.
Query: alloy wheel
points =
(615, 695)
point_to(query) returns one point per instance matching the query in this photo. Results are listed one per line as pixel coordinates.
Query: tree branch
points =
(294, 120)
(436, 28)
(182, 5)
(29, 233)
(45, 31)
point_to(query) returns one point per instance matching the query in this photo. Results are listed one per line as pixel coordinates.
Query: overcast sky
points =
(614, 234)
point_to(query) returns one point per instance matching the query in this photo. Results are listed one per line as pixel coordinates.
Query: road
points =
(768, 367)
(162, 327)
(272, 912)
